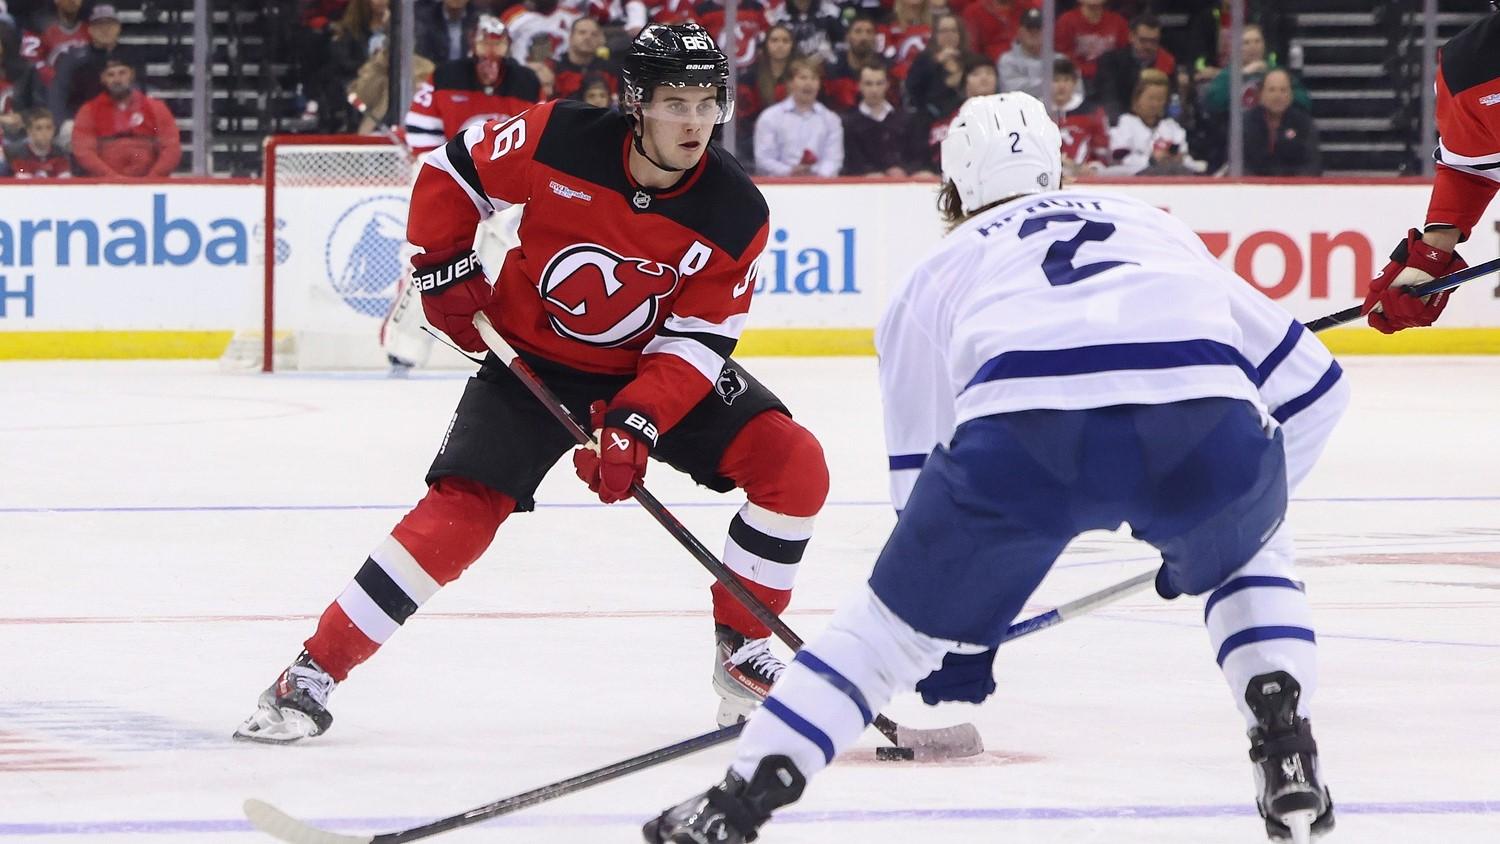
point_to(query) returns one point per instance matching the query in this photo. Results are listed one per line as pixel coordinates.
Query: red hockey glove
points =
(626, 438)
(452, 293)
(1412, 262)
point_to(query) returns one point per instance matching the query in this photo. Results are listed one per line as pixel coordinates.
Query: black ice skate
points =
(744, 670)
(1293, 800)
(294, 707)
(732, 811)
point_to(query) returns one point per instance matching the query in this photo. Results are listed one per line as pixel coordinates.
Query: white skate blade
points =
(1299, 824)
(273, 726)
(278, 824)
(733, 710)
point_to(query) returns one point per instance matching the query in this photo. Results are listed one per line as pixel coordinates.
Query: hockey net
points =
(332, 253)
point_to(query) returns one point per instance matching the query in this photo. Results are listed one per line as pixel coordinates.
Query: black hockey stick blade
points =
(279, 824)
(1437, 285)
(938, 743)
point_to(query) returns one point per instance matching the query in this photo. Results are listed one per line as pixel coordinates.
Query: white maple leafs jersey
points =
(1082, 299)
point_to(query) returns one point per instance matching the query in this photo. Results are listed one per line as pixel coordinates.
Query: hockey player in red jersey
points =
(466, 92)
(632, 285)
(1468, 175)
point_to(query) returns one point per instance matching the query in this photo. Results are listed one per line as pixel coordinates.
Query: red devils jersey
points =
(1468, 122)
(568, 77)
(455, 100)
(1085, 132)
(609, 276)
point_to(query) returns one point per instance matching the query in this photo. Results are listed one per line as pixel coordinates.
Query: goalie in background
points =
(1064, 362)
(488, 85)
(1467, 177)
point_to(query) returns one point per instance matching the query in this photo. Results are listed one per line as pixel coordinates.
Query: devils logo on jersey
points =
(598, 297)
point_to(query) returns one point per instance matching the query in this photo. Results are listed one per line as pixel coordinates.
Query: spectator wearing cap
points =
(582, 59)
(78, 71)
(1119, 69)
(444, 29)
(1088, 31)
(1021, 66)
(39, 156)
(880, 139)
(800, 136)
(993, 25)
(1281, 138)
(123, 133)
(19, 91)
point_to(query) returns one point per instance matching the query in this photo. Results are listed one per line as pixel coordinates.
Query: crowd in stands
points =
(825, 87)
(70, 99)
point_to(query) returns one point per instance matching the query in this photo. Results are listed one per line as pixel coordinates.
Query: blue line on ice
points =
(998, 813)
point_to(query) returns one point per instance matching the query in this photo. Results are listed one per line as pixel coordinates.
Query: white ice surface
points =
(169, 534)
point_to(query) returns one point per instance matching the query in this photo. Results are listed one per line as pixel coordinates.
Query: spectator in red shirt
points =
(1082, 123)
(841, 81)
(38, 157)
(1119, 69)
(1089, 31)
(63, 32)
(581, 59)
(906, 35)
(993, 23)
(123, 133)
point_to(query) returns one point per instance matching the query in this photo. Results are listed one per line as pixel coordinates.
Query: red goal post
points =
(333, 235)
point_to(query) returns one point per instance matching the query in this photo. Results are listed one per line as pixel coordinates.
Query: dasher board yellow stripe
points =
(104, 345)
(785, 342)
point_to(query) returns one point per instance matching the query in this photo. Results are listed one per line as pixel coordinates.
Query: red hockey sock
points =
(779, 465)
(446, 532)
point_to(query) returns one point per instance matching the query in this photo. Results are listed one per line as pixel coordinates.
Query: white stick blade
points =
(954, 742)
(278, 824)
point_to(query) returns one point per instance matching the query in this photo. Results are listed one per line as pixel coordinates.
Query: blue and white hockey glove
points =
(964, 677)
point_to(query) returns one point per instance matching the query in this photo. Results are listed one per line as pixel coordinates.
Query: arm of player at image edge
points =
(484, 170)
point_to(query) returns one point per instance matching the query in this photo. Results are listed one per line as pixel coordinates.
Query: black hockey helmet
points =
(681, 55)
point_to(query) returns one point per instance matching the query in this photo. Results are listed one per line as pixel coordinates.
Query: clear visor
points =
(692, 108)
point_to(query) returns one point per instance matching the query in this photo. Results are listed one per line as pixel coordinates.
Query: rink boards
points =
(173, 269)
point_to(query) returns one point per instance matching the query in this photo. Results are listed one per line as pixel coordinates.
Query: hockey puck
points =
(895, 754)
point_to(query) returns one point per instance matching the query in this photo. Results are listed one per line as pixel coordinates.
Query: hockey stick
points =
(958, 740)
(1437, 285)
(278, 824)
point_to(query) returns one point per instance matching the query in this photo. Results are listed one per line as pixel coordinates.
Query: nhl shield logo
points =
(731, 385)
(641, 200)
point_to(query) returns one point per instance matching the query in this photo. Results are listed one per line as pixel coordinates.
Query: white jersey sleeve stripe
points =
(708, 363)
(485, 205)
(424, 122)
(1111, 357)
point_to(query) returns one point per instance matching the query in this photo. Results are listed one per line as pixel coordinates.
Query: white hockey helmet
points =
(999, 146)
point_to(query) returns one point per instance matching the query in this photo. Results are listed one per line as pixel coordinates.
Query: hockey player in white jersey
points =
(1063, 362)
